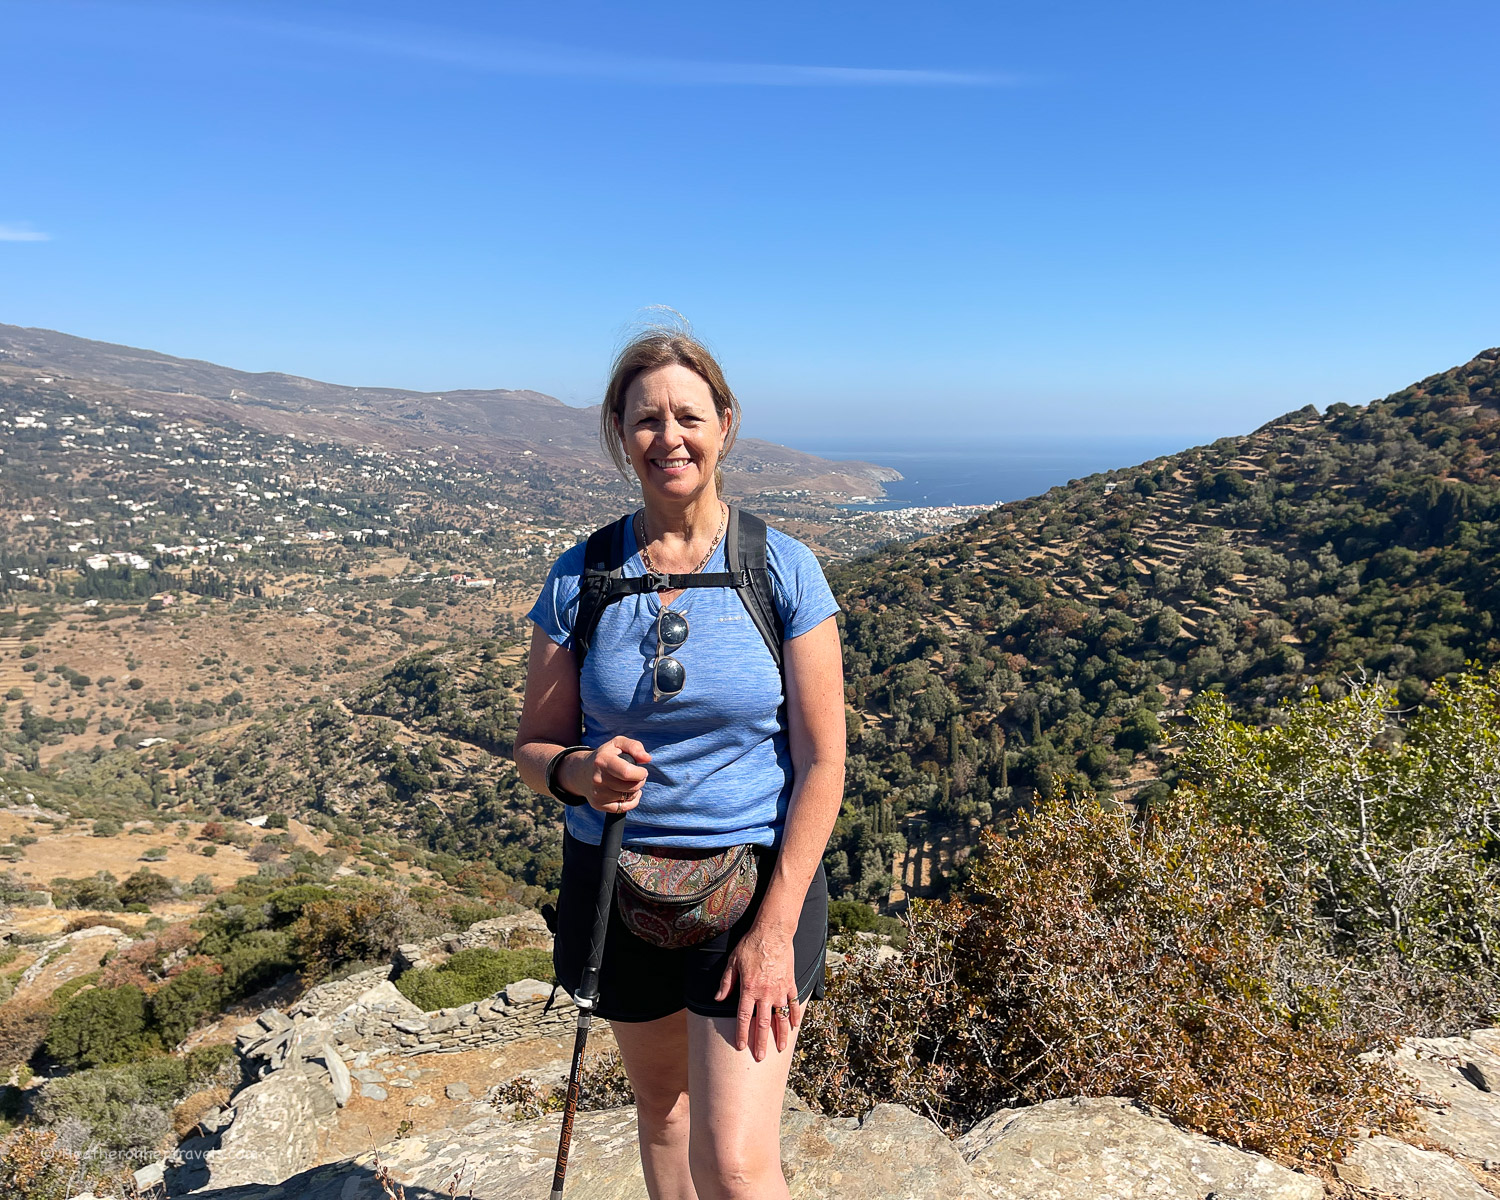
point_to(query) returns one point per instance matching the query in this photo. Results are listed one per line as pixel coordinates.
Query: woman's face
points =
(672, 433)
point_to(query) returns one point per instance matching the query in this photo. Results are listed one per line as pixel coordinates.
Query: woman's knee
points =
(729, 1168)
(661, 1106)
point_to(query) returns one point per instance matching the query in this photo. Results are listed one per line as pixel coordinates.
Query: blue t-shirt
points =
(720, 771)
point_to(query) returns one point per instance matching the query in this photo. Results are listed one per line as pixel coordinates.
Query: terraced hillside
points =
(1058, 638)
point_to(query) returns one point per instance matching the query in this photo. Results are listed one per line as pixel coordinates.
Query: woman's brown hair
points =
(661, 347)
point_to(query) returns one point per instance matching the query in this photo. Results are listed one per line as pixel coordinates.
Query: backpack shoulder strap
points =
(745, 552)
(603, 561)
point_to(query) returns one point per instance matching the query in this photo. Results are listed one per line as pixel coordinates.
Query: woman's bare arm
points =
(550, 720)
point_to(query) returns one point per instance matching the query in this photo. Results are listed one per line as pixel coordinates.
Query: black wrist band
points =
(557, 789)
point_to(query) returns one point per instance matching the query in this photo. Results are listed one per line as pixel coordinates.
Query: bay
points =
(934, 476)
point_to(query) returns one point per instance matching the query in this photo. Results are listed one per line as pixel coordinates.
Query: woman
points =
(707, 1031)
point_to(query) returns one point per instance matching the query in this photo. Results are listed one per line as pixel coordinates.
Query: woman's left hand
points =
(763, 964)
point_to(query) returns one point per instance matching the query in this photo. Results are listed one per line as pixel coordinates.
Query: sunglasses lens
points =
(669, 676)
(673, 628)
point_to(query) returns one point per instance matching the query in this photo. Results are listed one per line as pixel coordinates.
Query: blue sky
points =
(900, 224)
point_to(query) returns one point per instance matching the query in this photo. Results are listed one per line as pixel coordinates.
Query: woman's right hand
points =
(611, 778)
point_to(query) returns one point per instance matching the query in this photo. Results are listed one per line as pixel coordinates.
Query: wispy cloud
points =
(19, 233)
(490, 56)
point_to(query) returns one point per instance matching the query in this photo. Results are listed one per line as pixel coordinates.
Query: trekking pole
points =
(588, 988)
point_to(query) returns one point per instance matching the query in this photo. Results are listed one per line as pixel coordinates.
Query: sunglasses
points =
(667, 674)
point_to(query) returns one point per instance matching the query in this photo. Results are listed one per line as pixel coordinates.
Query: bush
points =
(1088, 961)
(101, 1027)
(254, 960)
(184, 1002)
(358, 926)
(472, 975)
(145, 887)
(98, 893)
(850, 916)
(23, 1029)
(1383, 835)
(126, 1109)
(34, 1167)
(106, 827)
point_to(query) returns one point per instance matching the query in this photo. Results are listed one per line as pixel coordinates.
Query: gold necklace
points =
(646, 554)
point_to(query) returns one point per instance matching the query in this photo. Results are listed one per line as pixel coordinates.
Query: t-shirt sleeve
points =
(803, 597)
(556, 607)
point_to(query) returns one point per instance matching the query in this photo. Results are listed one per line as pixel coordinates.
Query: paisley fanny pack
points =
(679, 898)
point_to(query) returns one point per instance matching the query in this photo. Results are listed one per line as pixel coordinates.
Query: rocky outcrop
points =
(303, 1061)
(892, 1154)
(47, 953)
(308, 1062)
(1391, 1168)
(1085, 1149)
(274, 1133)
(1458, 1077)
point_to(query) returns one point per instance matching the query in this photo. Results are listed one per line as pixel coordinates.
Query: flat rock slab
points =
(892, 1154)
(1393, 1168)
(1111, 1149)
(275, 1130)
(1466, 1119)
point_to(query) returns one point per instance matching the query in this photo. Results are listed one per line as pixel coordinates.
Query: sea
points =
(933, 476)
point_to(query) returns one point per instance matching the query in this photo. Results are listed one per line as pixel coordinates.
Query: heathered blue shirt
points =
(720, 771)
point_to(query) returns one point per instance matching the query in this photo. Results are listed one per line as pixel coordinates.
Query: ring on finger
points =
(782, 1010)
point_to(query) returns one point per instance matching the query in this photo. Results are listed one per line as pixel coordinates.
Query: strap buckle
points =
(657, 582)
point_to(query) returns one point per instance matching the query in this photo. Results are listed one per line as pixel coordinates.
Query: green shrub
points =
(126, 1108)
(145, 887)
(464, 913)
(1090, 961)
(155, 854)
(850, 916)
(98, 893)
(254, 960)
(1383, 831)
(66, 991)
(472, 975)
(184, 1002)
(106, 827)
(100, 1027)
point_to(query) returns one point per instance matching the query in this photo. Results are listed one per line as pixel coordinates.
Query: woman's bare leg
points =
(735, 1139)
(656, 1059)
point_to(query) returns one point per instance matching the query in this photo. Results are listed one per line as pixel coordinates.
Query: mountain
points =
(1060, 637)
(478, 424)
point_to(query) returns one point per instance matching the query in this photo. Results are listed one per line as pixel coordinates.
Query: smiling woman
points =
(729, 769)
(681, 372)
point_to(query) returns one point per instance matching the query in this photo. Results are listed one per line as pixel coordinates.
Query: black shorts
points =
(642, 982)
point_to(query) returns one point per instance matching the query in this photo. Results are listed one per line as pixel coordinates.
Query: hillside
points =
(1060, 636)
(476, 428)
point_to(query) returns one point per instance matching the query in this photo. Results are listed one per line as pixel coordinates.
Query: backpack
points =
(603, 580)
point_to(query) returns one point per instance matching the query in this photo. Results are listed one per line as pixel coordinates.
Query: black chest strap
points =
(605, 582)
